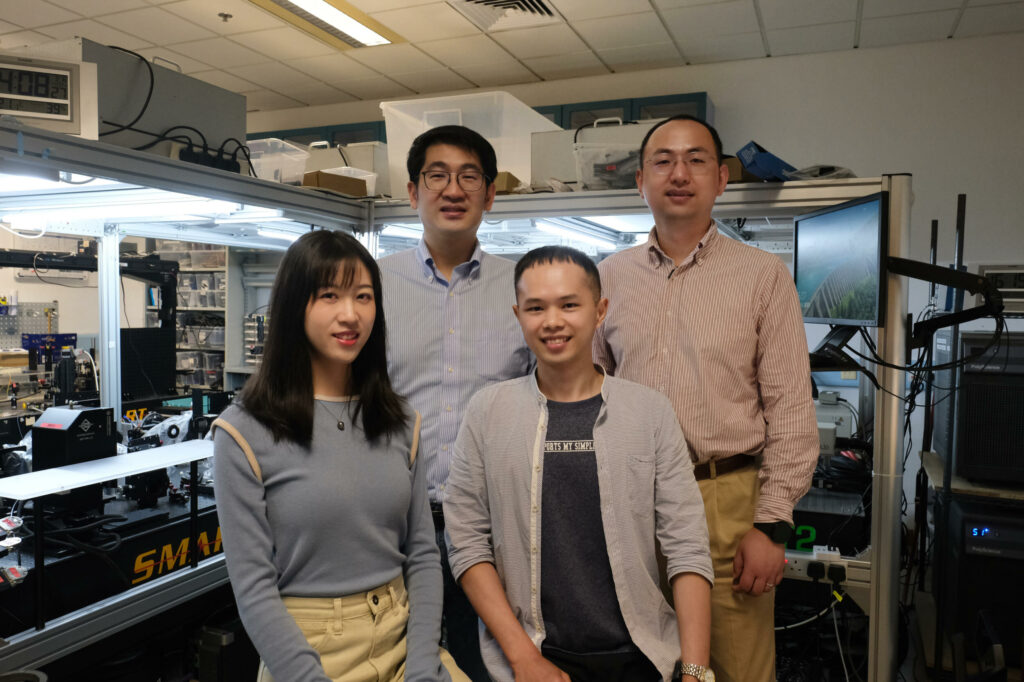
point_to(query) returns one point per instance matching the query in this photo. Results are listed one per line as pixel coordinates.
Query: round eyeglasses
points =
(468, 181)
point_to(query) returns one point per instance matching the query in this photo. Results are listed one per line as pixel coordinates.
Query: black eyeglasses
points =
(468, 180)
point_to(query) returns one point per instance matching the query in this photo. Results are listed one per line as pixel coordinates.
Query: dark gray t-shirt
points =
(578, 601)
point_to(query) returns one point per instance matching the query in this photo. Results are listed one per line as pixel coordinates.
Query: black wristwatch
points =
(779, 531)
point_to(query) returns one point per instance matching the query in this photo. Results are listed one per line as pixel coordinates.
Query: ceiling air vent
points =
(501, 15)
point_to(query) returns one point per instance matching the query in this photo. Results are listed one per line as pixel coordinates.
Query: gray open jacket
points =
(647, 489)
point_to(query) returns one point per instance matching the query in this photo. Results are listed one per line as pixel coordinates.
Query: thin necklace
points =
(341, 422)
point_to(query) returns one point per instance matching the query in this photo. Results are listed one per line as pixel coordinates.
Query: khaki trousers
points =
(359, 637)
(742, 626)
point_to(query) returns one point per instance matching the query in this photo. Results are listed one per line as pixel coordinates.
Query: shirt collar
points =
(470, 267)
(543, 400)
(658, 257)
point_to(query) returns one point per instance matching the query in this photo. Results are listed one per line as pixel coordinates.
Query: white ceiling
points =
(278, 67)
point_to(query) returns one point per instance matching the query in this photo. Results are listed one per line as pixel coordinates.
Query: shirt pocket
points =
(641, 484)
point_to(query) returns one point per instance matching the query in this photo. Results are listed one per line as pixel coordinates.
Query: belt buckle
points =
(712, 469)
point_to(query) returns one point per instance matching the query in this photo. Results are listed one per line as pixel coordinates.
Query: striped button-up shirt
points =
(722, 336)
(447, 340)
(647, 490)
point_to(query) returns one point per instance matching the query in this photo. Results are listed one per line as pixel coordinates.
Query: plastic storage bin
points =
(350, 172)
(208, 259)
(188, 360)
(506, 122)
(278, 160)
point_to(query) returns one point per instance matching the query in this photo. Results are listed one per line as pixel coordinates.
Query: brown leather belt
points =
(726, 465)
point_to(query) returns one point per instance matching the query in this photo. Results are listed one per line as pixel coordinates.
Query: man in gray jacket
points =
(560, 483)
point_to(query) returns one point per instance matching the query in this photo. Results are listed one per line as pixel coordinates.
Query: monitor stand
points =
(829, 355)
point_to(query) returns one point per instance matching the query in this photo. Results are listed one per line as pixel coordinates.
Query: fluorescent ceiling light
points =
(566, 233)
(624, 223)
(401, 231)
(28, 183)
(341, 21)
(277, 234)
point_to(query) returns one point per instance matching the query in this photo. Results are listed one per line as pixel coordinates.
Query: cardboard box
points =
(737, 173)
(762, 163)
(506, 182)
(353, 187)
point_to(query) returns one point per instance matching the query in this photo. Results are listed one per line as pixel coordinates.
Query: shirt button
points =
(534, 508)
(445, 448)
(533, 590)
(664, 350)
(536, 468)
(533, 549)
(451, 331)
(448, 408)
(430, 278)
(450, 369)
(451, 293)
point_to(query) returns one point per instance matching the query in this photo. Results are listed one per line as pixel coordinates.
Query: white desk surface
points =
(59, 479)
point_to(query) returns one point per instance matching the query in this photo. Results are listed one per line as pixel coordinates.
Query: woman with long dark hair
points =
(327, 529)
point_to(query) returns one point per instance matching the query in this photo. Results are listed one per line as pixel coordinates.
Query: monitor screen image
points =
(838, 262)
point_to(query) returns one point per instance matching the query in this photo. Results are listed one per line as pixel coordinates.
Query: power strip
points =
(828, 566)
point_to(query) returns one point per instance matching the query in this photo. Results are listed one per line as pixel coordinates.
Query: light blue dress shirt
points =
(447, 340)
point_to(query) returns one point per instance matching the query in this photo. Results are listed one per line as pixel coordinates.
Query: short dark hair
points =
(280, 395)
(559, 254)
(462, 137)
(685, 117)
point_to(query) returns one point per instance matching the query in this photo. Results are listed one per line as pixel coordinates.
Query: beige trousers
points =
(742, 626)
(359, 637)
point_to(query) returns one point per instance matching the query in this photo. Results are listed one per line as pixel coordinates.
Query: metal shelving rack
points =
(37, 151)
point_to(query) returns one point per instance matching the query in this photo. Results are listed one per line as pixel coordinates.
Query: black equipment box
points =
(69, 435)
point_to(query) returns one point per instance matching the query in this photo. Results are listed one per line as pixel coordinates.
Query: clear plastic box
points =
(188, 360)
(506, 122)
(182, 258)
(348, 171)
(208, 259)
(278, 160)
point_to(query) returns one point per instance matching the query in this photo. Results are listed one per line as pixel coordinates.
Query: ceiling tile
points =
(399, 58)
(95, 31)
(220, 52)
(675, 4)
(335, 68)
(223, 79)
(723, 48)
(545, 41)
(272, 75)
(909, 28)
(576, 10)
(574, 65)
(654, 56)
(319, 94)
(624, 31)
(156, 26)
(703, 21)
(377, 88)
(382, 5)
(35, 13)
(245, 16)
(888, 8)
(489, 74)
(436, 80)
(791, 13)
(161, 55)
(265, 100)
(285, 43)
(470, 50)
(97, 8)
(426, 22)
(18, 39)
(807, 39)
(980, 21)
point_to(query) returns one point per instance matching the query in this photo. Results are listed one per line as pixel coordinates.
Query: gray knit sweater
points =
(339, 518)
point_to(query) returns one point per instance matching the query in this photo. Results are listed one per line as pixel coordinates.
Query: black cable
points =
(35, 271)
(149, 95)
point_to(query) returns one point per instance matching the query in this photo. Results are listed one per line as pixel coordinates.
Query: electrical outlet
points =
(796, 565)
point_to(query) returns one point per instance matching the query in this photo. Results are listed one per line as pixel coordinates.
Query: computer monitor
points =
(147, 363)
(839, 262)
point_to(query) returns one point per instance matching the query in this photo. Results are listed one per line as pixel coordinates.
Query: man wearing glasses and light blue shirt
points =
(450, 330)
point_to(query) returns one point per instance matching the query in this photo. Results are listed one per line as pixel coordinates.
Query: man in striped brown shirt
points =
(715, 325)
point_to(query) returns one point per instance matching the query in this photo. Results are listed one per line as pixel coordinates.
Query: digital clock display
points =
(1009, 282)
(34, 106)
(35, 92)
